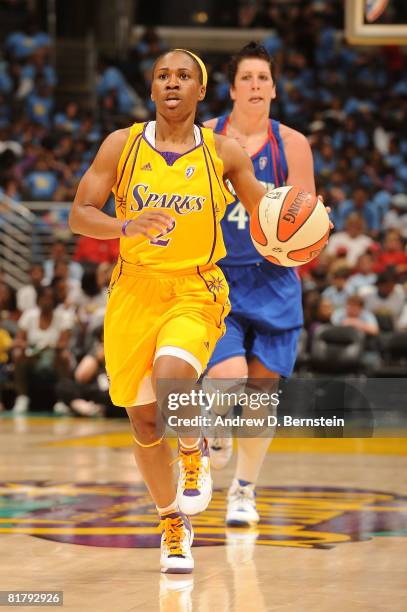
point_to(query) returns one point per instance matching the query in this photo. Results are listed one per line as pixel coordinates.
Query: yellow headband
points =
(200, 63)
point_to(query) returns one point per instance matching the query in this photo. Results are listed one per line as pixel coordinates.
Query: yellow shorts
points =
(150, 314)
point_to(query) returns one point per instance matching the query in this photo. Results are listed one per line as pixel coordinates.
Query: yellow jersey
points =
(190, 189)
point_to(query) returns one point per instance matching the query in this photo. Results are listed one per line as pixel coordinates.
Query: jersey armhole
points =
(135, 130)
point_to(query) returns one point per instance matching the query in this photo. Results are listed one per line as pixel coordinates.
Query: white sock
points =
(250, 457)
(173, 507)
(190, 446)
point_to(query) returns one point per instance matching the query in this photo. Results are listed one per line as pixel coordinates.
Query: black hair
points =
(41, 291)
(387, 276)
(186, 53)
(253, 50)
(89, 282)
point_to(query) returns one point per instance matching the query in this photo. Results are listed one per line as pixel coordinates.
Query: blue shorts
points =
(276, 351)
(266, 318)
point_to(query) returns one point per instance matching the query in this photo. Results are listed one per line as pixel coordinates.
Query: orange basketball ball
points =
(290, 226)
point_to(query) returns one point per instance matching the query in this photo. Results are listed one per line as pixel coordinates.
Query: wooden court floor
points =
(75, 517)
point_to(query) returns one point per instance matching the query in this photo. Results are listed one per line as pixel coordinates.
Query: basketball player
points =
(266, 318)
(168, 299)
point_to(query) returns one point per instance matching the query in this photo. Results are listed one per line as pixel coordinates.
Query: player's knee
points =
(168, 367)
(233, 368)
(145, 427)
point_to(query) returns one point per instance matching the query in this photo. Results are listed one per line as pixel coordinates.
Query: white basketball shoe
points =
(176, 541)
(194, 489)
(241, 510)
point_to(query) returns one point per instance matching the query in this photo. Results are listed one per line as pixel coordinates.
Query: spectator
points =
(360, 203)
(40, 347)
(396, 217)
(41, 182)
(22, 44)
(393, 254)
(364, 277)
(88, 393)
(112, 88)
(70, 292)
(27, 294)
(95, 282)
(69, 120)
(386, 299)
(350, 133)
(355, 315)
(39, 103)
(401, 323)
(8, 303)
(337, 293)
(150, 44)
(59, 252)
(321, 315)
(353, 239)
(11, 188)
(32, 72)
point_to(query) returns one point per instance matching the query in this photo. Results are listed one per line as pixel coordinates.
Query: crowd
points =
(348, 100)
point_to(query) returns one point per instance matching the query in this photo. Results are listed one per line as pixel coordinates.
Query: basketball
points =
(290, 226)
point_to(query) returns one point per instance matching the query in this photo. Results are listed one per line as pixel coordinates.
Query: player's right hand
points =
(148, 224)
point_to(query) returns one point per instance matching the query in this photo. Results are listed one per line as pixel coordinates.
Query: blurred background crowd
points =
(349, 101)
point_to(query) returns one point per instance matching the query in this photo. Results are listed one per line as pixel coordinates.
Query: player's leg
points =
(273, 356)
(133, 321)
(251, 453)
(154, 460)
(194, 323)
(178, 374)
(228, 363)
(152, 453)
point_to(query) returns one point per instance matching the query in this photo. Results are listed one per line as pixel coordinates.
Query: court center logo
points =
(122, 515)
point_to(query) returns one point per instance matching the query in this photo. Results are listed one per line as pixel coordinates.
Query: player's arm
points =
(86, 216)
(299, 159)
(238, 168)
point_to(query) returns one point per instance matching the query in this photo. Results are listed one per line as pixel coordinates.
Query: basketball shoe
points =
(241, 511)
(176, 541)
(220, 451)
(194, 489)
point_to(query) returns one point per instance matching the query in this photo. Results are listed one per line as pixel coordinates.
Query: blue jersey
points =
(278, 305)
(270, 167)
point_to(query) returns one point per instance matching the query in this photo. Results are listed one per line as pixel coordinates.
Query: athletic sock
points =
(250, 457)
(190, 448)
(170, 509)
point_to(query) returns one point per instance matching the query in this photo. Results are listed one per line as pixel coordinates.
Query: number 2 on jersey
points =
(163, 243)
(239, 215)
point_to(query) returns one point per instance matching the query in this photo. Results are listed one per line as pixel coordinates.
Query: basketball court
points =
(75, 517)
